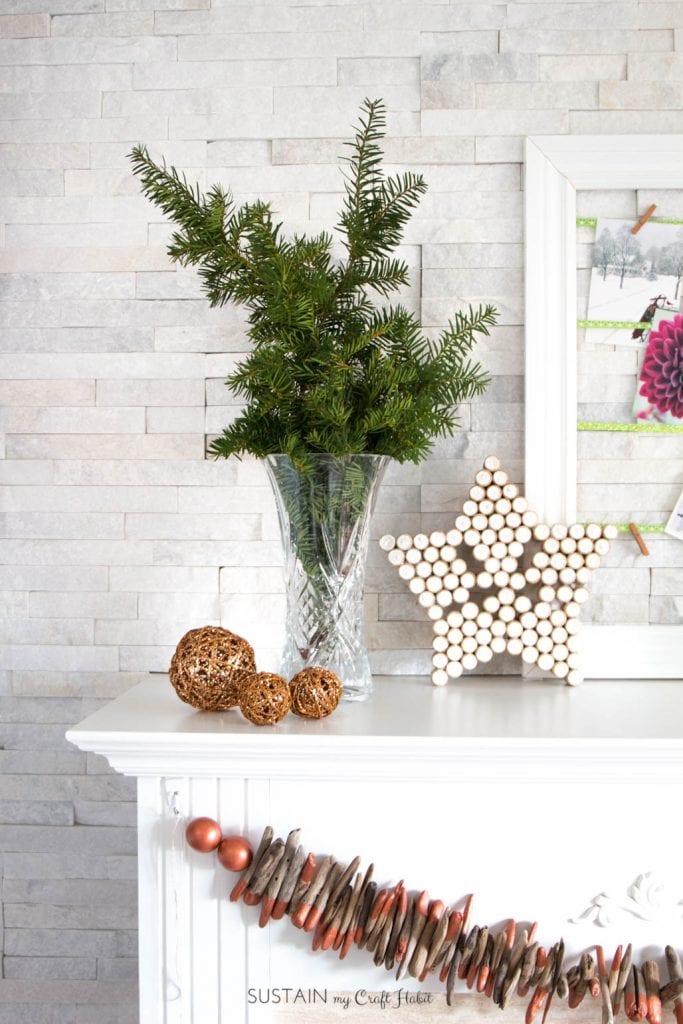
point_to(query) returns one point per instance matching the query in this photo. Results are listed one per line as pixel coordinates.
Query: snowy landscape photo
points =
(633, 278)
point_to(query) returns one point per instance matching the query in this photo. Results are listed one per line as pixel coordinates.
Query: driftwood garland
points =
(409, 932)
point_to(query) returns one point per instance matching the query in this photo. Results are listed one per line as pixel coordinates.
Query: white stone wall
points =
(117, 534)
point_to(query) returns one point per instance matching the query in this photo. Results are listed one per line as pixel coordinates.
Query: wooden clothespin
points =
(643, 219)
(638, 538)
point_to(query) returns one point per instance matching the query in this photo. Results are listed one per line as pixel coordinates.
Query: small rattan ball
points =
(209, 666)
(315, 692)
(265, 698)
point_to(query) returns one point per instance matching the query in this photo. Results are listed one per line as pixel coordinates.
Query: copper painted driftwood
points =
(419, 936)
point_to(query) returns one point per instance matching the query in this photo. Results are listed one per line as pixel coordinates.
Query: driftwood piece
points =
(435, 945)
(477, 957)
(673, 964)
(325, 934)
(601, 969)
(630, 1005)
(368, 900)
(453, 972)
(334, 896)
(339, 888)
(303, 907)
(454, 921)
(514, 969)
(418, 924)
(587, 967)
(404, 934)
(607, 1013)
(614, 970)
(535, 1004)
(558, 966)
(419, 957)
(586, 973)
(501, 973)
(542, 988)
(243, 881)
(485, 966)
(496, 957)
(364, 889)
(278, 877)
(528, 965)
(264, 872)
(397, 926)
(641, 995)
(356, 894)
(541, 960)
(388, 928)
(333, 929)
(289, 882)
(654, 1003)
(624, 971)
(376, 926)
(386, 915)
(509, 986)
(443, 949)
(315, 914)
(350, 918)
(344, 905)
(375, 910)
(303, 882)
(517, 955)
(469, 944)
(672, 990)
(466, 913)
(573, 977)
(452, 938)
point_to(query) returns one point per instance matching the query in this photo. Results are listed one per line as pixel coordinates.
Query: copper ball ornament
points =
(209, 666)
(265, 698)
(316, 692)
(203, 834)
(235, 853)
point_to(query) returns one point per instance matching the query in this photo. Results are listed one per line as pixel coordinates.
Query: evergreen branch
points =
(327, 371)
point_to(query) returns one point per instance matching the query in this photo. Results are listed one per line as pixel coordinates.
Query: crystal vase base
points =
(324, 513)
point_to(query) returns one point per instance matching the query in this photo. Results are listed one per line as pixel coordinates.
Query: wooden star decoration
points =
(530, 580)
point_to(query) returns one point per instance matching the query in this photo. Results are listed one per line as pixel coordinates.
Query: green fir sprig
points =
(333, 368)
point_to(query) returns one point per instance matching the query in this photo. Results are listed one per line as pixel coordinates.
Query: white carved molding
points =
(649, 898)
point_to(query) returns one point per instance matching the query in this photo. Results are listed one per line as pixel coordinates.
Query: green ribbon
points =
(631, 428)
(591, 222)
(625, 324)
(642, 527)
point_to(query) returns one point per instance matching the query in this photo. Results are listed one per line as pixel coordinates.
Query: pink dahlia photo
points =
(661, 377)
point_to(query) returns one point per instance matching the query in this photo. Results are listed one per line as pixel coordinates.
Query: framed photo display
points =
(556, 168)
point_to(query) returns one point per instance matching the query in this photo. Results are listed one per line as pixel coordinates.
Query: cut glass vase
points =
(324, 516)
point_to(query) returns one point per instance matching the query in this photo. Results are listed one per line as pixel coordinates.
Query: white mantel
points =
(535, 796)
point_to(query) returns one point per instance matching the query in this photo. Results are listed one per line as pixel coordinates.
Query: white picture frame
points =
(556, 167)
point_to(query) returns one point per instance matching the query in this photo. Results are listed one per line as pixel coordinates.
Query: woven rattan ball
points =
(315, 692)
(265, 698)
(209, 666)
